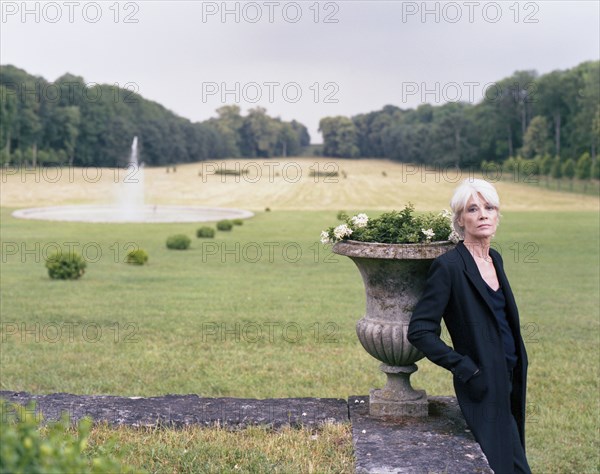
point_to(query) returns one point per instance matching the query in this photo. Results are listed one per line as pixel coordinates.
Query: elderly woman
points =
(467, 287)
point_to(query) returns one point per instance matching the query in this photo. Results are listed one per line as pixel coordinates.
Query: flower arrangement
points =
(393, 227)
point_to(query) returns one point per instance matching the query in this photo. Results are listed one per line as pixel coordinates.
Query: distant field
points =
(281, 184)
(223, 320)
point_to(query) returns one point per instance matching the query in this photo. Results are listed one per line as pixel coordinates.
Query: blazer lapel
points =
(511, 305)
(474, 276)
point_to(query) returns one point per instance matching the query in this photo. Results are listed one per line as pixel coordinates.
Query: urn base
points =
(381, 406)
(398, 399)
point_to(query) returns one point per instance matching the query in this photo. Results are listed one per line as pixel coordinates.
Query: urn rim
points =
(414, 251)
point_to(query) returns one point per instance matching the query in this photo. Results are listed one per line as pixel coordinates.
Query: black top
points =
(499, 306)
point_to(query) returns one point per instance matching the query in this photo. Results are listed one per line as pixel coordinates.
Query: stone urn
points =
(394, 276)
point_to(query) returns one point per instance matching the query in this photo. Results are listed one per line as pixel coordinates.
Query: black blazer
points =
(456, 292)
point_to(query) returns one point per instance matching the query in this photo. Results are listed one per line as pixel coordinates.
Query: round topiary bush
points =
(137, 257)
(178, 242)
(65, 266)
(205, 232)
(224, 225)
(237, 222)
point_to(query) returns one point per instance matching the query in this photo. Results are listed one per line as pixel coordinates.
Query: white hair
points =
(471, 187)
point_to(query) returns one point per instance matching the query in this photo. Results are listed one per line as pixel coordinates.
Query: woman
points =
(467, 286)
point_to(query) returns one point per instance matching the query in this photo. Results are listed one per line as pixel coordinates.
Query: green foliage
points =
(30, 449)
(556, 170)
(342, 216)
(237, 222)
(339, 137)
(17, 157)
(509, 165)
(205, 232)
(492, 130)
(228, 172)
(395, 227)
(568, 168)
(4, 157)
(65, 266)
(545, 165)
(584, 166)
(323, 174)
(535, 141)
(225, 225)
(96, 132)
(137, 257)
(596, 169)
(178, 242)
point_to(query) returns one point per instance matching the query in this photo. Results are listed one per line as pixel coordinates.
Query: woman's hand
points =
(476, 386)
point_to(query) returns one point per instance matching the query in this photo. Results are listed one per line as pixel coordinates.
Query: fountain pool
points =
(131, 207)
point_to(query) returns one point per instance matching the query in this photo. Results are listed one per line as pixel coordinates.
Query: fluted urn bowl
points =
(394, 276)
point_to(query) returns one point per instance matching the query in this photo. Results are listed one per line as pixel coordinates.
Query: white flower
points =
(360, 220)
(446, 213)
(342, 231)
(454, 237)
(325, 237)
(428, 233)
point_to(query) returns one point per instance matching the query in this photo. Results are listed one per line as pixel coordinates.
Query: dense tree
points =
(552, 101)
(558, 112)
(71, 122)
(339, 137)
(535, 141)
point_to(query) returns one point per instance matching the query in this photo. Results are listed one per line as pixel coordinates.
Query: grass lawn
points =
(266, 311)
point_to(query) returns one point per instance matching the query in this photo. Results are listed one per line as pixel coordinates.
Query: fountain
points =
(131, 207)
(131, 196)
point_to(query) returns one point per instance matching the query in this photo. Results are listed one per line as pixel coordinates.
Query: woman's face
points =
(479, 219)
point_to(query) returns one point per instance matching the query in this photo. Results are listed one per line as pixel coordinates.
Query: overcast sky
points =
(300, 60)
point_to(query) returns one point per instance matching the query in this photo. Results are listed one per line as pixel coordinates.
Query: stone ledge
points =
(440, 443)
(185, 410)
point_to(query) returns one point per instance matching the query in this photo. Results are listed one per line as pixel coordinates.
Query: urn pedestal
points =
(394, 276)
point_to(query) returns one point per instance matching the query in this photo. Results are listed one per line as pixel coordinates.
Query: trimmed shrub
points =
(225, 224)
(205, 232)
(178, 242)
(237, 222)
(226, 172)
(137, 257)
(27, 447)
(68, 266)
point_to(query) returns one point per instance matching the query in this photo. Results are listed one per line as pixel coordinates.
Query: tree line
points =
(69, 122)
(551, 121)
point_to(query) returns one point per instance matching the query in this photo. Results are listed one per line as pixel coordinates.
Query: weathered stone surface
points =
(182, 410)
(437, 444)
(381, 407)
